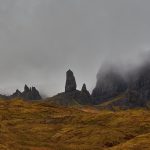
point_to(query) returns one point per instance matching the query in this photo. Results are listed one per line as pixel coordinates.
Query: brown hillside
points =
(42, 126)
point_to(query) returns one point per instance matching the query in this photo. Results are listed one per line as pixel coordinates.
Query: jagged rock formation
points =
(72, 96)
(28, 94)
(70, 82)
(17, 94)
(85, 91)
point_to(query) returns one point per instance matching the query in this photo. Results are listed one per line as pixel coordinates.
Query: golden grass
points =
(43, 126)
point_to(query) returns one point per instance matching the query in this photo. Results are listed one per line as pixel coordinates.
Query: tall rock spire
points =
(70, 82)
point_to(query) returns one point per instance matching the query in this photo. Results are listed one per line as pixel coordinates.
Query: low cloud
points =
(41, 39)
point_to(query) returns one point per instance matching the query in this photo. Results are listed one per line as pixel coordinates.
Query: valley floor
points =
(42, 126)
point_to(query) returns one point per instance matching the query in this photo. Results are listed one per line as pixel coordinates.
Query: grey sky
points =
(41, 39)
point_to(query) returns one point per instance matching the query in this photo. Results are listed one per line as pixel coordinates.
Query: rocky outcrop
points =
(28, 94)
(35, 94)
(17, 94)
(72, 96)
(85, 91)
(70, 82)
(109, 84)
(31, 93)
(75, 97)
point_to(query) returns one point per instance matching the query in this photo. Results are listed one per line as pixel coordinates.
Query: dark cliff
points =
(109, 84)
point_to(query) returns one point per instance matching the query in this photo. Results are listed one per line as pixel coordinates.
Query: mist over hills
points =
(51, 52)
(46, 124)
(129, 84)
(132, 81)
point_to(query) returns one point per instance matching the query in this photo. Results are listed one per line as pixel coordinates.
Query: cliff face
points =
(139, 86)
(109, 84)
(136, 87)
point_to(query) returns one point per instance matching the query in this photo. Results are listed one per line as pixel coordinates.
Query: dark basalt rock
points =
(140, 84)
(28, 94)
(17, 94)
(31, 93)
(70, 82)
(109, 84)
(85, 91)
(26, 88)
(35, 94)
(75, 97)
(72, 96)
(136, 87)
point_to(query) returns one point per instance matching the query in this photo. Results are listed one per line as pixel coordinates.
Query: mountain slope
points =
(109, 84)
(135, 84)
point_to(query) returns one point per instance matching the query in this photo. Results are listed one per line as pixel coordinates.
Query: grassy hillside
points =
(43, 126)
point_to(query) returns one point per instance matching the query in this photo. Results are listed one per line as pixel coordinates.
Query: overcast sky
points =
(41, 39)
